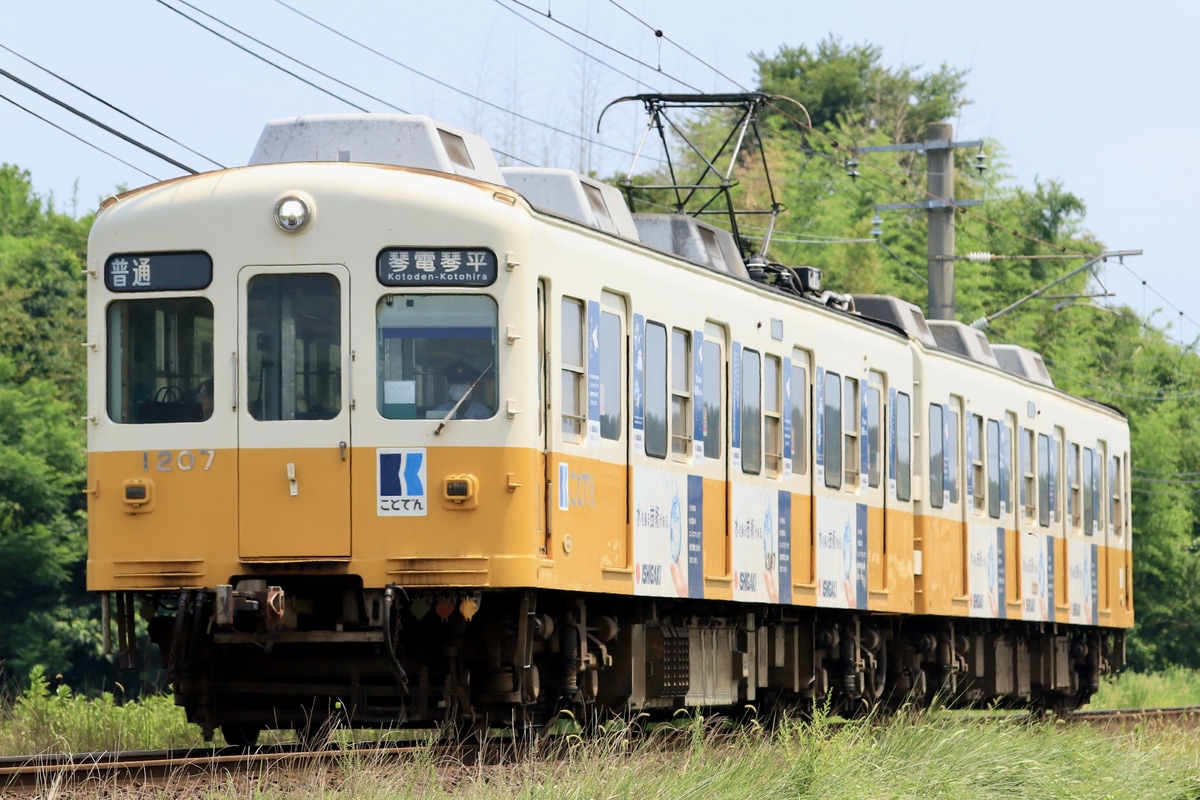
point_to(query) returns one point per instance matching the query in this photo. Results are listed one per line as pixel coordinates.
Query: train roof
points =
(567, 193)
(1024, 362)
(401, 140)
(896, 312)
(969, 342)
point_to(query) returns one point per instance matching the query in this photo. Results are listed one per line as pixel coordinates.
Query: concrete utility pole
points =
(939, 182)
(939, 176)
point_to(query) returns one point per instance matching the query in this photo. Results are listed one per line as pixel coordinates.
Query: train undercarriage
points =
(310, 654)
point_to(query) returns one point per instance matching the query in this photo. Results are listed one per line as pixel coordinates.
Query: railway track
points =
(1180, 715)
(61, 774)
(80, 774)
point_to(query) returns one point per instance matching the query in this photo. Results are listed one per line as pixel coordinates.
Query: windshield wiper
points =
(454, 409)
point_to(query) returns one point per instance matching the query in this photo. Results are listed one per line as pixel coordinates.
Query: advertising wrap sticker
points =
(662, 536)
(1034, 582)
(1082, 583)
(756, 544)
(841, 554)
(986, 572)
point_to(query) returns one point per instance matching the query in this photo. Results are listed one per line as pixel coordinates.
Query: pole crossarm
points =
(983, 322)
(925, 205)
(932, 145)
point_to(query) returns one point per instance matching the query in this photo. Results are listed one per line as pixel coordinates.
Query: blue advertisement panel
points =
(819, 411)
(785, 547)
(639, 399)
(593, 372)
(862, 435)
(695, 536)
(1051, 597)
(1094, 591)
(735, 408)
(698, 395)
(786, 410)
(1001, 574)
(894, 434)
(972, 446)
(860, 558)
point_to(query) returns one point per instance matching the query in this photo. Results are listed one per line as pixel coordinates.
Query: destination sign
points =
(436, 267)
(157, 272)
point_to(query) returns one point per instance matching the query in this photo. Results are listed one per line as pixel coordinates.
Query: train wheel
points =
(241, 734)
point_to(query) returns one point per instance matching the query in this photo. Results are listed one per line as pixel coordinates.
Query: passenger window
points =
(851, 451)
(294, 347)
(1089, 493)
(952, 461)
(772, 415)
(681, 392)
(751, 412)
(993, 468)
(874, 461)
(937, 458)
(903, 446)
(1116, 509)
(975, 445)
(612, 356)
(714, 391)
(160, 360)
(574, 402)
(1075, 509)
(1043, 472)
(1028, 486)
(832, 455)
(656, 390)
(434, 350)
(799, 411)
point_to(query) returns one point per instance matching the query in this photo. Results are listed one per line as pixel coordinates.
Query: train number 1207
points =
(183, 460)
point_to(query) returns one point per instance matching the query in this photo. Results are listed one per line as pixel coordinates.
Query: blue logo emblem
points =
(401, 483)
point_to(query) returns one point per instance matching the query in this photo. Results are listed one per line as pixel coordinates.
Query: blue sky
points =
(1096, 95)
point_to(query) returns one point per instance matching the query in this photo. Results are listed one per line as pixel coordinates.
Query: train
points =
(382, 434)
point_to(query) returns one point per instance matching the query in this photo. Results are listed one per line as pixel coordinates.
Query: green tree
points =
(48, 618)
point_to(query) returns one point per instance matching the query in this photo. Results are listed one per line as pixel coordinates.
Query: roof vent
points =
(402, 140)
(568, 194)
(696, 241)
(963, 339)
(897, 312)
(1024, 362)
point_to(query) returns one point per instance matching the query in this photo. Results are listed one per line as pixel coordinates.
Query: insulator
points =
(980, 258)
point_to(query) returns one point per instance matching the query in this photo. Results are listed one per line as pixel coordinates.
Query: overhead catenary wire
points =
(605, 45)
(120, 111)
(449, 86)
(97, 123)
(78, 138)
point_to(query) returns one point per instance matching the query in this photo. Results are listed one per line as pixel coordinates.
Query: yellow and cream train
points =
(383, 432)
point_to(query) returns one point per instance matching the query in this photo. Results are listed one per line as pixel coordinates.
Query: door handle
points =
(342, 450)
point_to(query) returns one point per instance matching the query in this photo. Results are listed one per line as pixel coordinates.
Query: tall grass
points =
(1173, 686)
(932, 755)
(43, 721)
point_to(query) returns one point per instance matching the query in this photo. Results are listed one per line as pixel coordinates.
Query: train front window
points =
(160, 360)
(294, 347)
(433, 351)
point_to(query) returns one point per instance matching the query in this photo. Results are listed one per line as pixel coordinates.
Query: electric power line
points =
(77, 137)
(102, 101)
(97, 123)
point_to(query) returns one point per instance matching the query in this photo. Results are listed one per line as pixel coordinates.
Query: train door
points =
(608, 357)
(715, 466)
(544, 421)
(293, 420)
(804, 537)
